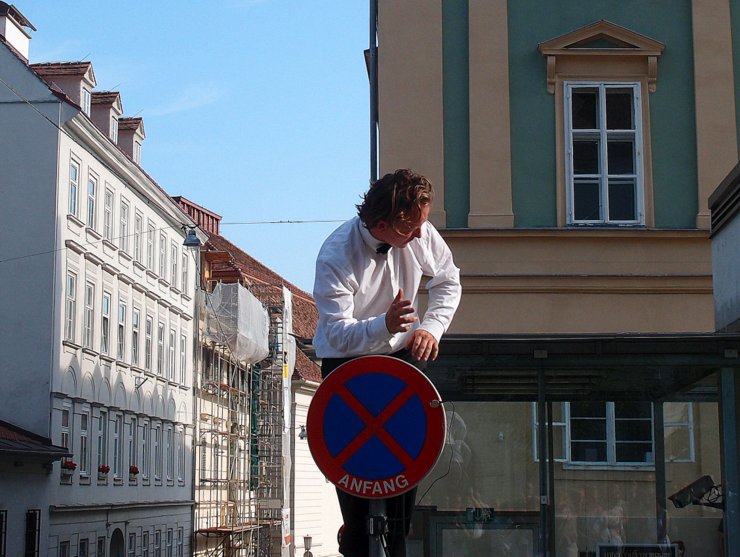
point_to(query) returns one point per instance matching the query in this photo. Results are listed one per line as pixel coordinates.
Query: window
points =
(70, 307)
(604, 178)
(169, 542)
(617, 433)
(148, 342)
(138, 224)
(184, 279)
(117, 446)
(65, 429)
(83, 548)
(3, 532)
(63, 549)
(150, 230)
(135, 324)
(157, 451)
(89, 316)
(145, 454)
(33, 529)
(101, 547)
(84, 444)
(173, 263)
(157, 543)
(132, 441)
(114, 129)
(103, 438)
(137, 152)
(180, 448)
(123, 227)
(180, 542)
(170, 451)
(145, 543)
(108, 215)
(86, 100)
(105, 324)
(132, 545)
(92, 188)
(163, 257)
(121, 338)
(183, 358)
(172, 347)
(160, 348)
(74, 186)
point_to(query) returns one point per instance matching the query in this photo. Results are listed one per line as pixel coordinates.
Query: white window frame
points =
(84, 442)
(150, 247)
(137, 152)
(145, 543)
(74, 187)
(70, 306)
(174, 276)
(160, 348)
(611, 463)
(180, 450)
(123, 226)
(92, 193)
(170, 453)
(148, 332)
(118, 446)
(114, 128)
(180, 541)
(101, 546)
(184, 271)
(121, 329)
(88, 322)
(65, 426)
(102, 436)
(172, 350)
(157, 442)
(132, 544)
(133, 440)
(158, 543)
(138, 228)
(86, 100)
(135, 333)
(183, 358)
(108, 202)
(145, 449)
(170, 541)
(84, 548)
(163, 256)
(602, 134)
(64, 549)
(105, 308)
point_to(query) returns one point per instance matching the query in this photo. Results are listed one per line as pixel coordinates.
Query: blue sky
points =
(255, 109)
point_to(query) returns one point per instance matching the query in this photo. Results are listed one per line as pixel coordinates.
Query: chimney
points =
(130, 137)
(76, 79)
(206, 220)
(12, 32)
(105, 110)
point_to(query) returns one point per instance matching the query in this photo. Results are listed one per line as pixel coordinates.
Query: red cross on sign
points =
(376, 427)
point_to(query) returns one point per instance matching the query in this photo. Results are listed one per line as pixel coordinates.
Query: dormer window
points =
(114, 129)
(137, 152)
(86, 100)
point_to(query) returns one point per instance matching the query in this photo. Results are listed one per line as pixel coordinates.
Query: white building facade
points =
(97, 328)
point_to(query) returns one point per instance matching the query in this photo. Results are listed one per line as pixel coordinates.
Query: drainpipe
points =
(373, 70)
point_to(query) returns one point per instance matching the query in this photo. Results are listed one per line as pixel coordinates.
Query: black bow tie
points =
(383, 248)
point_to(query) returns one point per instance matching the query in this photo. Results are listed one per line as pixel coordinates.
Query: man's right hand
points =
(396, 318)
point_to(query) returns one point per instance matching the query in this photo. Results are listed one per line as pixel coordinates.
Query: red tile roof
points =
(104, 97)
(129, 123)
(53, 69)
(15, 440)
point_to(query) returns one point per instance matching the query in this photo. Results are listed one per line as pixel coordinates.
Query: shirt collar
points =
(370, 241)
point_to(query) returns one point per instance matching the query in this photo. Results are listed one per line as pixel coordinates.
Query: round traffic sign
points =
(376, 427)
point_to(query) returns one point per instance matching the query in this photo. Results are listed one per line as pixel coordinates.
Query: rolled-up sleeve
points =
(443, 287)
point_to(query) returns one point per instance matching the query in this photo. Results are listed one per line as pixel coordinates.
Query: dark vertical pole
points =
(729, 391)
(659, 461)
(373, 69)
(542, 451)
(550, 481)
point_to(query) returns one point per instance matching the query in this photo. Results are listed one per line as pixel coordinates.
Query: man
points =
(368, 273)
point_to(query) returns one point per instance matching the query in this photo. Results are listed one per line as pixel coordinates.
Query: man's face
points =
(401, 235)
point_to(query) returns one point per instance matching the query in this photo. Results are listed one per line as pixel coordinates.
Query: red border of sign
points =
(416, 381)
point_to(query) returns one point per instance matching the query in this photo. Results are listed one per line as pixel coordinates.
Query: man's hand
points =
(396, 318)
(423, 345)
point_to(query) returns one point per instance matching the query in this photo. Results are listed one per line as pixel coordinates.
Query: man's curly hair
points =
(395, 198)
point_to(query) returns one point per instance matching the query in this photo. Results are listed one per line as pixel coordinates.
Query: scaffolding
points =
(239, 461)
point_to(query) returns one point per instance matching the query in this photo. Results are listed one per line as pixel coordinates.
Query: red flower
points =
(69, 465)
(133, 469)
(103, 468)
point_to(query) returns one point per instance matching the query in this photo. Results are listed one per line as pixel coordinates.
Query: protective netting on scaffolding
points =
(237, 319)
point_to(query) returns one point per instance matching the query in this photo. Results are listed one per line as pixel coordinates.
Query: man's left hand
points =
(423, 345)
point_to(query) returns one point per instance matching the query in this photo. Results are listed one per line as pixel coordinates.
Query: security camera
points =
(692, 493)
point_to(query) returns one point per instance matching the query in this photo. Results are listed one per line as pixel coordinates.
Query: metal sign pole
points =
(376, 527)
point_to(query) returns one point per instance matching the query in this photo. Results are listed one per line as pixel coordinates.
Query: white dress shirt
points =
(354, 287)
